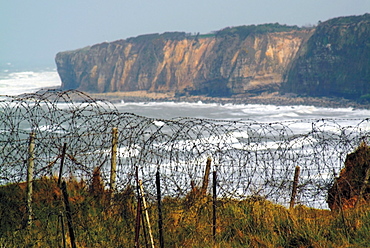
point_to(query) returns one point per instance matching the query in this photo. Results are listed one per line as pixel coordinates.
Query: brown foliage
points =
(351, 186)
(97, 187)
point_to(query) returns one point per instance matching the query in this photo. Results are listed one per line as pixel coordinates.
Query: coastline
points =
(264, 99)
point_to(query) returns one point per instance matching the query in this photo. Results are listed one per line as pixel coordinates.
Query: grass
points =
(101, 222)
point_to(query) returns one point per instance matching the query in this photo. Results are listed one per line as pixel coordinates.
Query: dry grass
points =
(253, 222)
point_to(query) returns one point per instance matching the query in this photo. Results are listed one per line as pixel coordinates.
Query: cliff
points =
(241, 60)
(335, 61)
(331, 60)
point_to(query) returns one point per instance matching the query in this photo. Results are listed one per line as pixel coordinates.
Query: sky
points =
(32, 32)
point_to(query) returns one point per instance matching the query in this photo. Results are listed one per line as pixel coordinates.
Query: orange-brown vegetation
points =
(352, 187)
(187, 221)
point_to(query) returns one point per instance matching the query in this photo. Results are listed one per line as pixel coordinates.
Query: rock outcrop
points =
(241, 60)
(335, 61)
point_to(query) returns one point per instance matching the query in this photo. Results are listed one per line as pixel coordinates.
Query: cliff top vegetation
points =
(244, 31)
(241, 31)
(348, 19)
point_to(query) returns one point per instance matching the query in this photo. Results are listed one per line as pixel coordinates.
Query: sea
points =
(301, 120)
(19, 80)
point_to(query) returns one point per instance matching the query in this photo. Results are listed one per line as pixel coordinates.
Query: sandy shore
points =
(268, 99)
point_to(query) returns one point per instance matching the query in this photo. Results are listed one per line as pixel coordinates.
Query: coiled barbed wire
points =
(250, 158)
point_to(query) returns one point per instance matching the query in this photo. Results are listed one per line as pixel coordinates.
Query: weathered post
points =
(63, 232)
(30, 168)
(113, 172)
(295, 185)
(68, 214)
(138, 210)
(214, 202)
(61, 164)
(146, 213)
(137, 225)
(160, 218)
(206, 176)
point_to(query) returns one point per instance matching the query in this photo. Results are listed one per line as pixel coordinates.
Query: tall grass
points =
(101, 222)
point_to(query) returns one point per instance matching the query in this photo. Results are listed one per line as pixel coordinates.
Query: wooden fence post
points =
(214, 205)
(61, 164)
(160, 217)
(68, 214)
(63, 232)
(30, 169)
(138, 209)
(113, 172)
(60, 186)
(146, 213)
(206, 176)
(137, 225)
(295, 185)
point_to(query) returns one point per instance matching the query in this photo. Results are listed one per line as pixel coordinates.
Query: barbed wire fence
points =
(250, 158)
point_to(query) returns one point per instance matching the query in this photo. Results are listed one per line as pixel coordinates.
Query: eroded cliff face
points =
(335, 61)
(215, 66)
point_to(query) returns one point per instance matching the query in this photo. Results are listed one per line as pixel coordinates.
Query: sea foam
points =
(16, 83)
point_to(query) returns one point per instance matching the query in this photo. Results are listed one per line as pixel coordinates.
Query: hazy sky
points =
(33, 32)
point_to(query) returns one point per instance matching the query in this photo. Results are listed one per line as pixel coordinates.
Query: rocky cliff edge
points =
(330, 60)
(240, 60)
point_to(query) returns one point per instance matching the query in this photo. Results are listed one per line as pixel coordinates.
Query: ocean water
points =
(269, 148)
(15, 81)
(252, 112)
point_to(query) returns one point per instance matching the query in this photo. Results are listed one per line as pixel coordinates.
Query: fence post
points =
(295, 185)
(63, 232)
(160, 218)
(68, 214)
(146, 213)
(214, 205)
(206, 175)
(30, 168)
(138, 209)
(113, 172)
(137, 225)
(62, 163)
